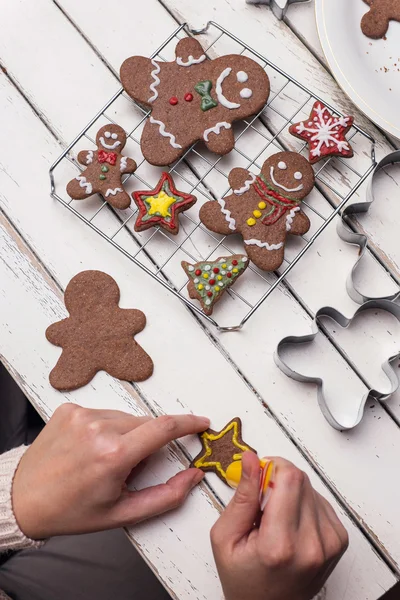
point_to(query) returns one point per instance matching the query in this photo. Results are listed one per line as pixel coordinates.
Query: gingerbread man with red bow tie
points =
(104, 169)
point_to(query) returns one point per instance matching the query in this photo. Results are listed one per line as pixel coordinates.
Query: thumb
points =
(240, 514)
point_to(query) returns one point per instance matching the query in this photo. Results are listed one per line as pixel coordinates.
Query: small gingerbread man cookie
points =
(375, 23)
(193, 98)
(264, 209)
(104, 169)
(98, 335)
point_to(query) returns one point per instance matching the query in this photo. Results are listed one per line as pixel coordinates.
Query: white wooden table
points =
(60, 61)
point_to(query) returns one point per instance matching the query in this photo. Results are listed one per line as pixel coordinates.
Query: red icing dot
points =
(209, 294)
(229, 274)
(188, 97)
(212, 281)
(198, 272)
(234, 262)
(215, 270)
(173, 100)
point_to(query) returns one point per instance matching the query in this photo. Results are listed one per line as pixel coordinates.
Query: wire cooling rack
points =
(206, 175)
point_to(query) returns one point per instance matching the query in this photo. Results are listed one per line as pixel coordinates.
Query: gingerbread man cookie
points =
(193, 98)
(264, 209)
(375, 22)
(104, 169)
(98, 335)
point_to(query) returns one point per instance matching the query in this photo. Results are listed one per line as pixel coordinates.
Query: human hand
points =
(293, 550)
(73, 477)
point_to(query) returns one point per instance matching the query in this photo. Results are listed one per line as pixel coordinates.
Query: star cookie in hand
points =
(193, 98)
(264, 209)
(208, 280)
(375, 23)
(104, 169)
(222, 450)
(162, 205)
(98, 335)
(325, 133)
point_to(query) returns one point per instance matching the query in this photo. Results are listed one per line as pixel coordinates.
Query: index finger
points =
(156, 433)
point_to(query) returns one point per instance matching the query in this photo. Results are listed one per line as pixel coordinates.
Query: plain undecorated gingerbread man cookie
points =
(104, 169)
(375, 23)
(98, 335)
(193, 98)
(264, 209)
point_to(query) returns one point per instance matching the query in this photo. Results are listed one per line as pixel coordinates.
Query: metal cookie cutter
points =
(343, 421)
(278, 7)
(361, 240)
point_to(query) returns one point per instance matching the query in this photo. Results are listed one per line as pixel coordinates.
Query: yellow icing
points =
(235, 270)
(251, 222)
(219, 277)
(217, 288)
(224, 266)
(200, 286)
(211, 437)
(205, 275)
(262, 205)
(257, 214)
(234, 473)
(160, 204)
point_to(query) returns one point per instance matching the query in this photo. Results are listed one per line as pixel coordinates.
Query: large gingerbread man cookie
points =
(193, 98)
(104, 169)
(264, 209)
(375, 23)
(98, 335)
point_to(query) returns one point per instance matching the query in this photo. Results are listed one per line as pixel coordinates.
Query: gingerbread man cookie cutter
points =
(338, 420)
(278, 7)
(386, 303)
(352, 237)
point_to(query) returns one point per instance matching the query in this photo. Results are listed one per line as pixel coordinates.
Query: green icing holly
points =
(207, 101)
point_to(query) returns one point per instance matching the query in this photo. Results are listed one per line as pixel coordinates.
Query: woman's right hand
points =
(291, 552)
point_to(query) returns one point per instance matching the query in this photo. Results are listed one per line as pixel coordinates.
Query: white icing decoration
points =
(242, 76)
(190, 61)
(208, 287)
(223, 272)
(172, 139)
(156, 81)
(85, 184)
(298, 175)
(89, 157)
(246, 185)
(282, 165)
(114, 136)
(195, 280)
(246, 93)
(216, 129)
(325, 132)
(264, 244)
(218, 90)
(208, 301)
(290, 217)
(122, 164)
(207, 268)
(107, 134)
(230, 268)
(113, 192)
(109, 146)
(220, 283)
(228, 217)
(190, 268)
(279, 185)
(244, 259)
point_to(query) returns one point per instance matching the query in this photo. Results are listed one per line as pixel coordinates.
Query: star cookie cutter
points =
(360, 239)
(342, 421)
(278, 7)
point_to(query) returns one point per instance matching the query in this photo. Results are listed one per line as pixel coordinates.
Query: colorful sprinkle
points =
(234, 262)
(229, 275)
(209, 294)
(174, 100)
(212, 281)
(250, 222)
(197, 272)
(216, 270)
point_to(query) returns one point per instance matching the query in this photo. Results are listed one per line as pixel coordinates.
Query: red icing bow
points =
(109, 157)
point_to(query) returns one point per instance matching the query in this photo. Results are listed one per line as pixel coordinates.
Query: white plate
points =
(367, 70)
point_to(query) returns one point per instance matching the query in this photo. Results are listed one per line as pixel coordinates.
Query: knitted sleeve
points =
(11, 537)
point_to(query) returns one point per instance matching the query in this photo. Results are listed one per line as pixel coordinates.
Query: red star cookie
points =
(162, 205)
(325, 133)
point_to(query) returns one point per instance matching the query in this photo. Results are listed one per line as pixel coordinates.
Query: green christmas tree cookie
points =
(208, 280)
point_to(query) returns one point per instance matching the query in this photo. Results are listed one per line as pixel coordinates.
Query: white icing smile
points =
(245, 93)
(109, 135)
(279, 185)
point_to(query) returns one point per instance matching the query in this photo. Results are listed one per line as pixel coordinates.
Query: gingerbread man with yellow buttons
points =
(264, 208)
